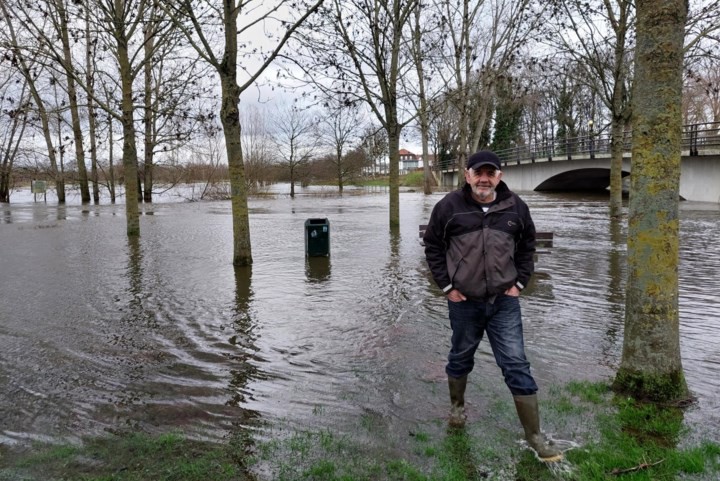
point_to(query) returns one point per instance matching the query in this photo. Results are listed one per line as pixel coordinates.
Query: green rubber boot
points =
(457, 401)
(527, 409)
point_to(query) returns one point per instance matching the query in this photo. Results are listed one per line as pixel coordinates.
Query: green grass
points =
(618, 439)
(413, 179)
(132, 457)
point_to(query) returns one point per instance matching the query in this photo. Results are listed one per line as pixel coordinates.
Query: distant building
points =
(408, 161)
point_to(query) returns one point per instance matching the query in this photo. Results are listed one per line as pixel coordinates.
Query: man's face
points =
(483, 181)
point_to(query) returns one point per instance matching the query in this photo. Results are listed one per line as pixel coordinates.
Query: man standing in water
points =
(479, 245)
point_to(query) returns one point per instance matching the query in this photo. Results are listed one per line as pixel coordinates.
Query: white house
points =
(408, 161)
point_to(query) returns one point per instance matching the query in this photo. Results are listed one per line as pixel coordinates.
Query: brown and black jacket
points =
(481, 254)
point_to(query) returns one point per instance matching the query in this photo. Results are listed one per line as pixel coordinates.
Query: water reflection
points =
(615, 296)
(242, 341)
(317, 269)
(137, 313)
(134, 271)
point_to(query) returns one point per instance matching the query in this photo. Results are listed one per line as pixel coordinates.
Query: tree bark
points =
(149, 140)
(230, 118)
(394, 156)
(92, 121)
(62, 25)
(617, 149)
(129, 155)
(651, 366)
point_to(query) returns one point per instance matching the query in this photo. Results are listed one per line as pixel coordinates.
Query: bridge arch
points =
(591, 179)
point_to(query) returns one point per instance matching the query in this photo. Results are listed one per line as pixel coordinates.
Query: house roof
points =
(406, 152)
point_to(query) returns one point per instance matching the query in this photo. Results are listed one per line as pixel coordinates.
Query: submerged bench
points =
(543, 240)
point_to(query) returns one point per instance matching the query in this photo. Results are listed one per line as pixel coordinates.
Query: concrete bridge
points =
(583, 164)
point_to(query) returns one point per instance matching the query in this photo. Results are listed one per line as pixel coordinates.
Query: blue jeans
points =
(503, 323)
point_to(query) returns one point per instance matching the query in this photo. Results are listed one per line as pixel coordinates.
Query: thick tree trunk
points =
(230, 117)
(129, 154)
(651, 366)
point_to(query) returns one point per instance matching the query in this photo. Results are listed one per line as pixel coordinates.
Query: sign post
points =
(38, 187)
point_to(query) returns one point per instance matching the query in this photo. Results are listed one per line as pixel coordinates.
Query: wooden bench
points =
(543, 240)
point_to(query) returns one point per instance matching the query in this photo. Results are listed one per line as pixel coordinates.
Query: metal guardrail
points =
(697, 139)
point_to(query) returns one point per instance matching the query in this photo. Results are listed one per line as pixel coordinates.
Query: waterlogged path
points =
(99, 334)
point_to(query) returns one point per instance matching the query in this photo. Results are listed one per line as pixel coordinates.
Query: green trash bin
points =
(317, 237)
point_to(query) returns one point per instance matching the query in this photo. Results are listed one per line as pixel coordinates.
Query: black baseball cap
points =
(483, 157)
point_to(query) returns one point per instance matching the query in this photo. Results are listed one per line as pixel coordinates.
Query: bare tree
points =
(342, 124)
(176, 99)
(257, 148)
(205, 19)
(90, 49)
(359, 54)
(702, 92)
(483, 40)
(296, 140)
(375, 145)
(28, 67)
(15, 102)
(599, 36)
(422, 47)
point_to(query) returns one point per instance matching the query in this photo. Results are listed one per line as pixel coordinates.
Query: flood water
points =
(100, 334)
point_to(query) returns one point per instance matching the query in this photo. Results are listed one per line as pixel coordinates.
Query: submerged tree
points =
(221, 31)
(339, 128)
(296, 138)
(358, 54)
(651, 365)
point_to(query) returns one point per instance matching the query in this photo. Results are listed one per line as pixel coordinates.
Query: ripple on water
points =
(166, 332)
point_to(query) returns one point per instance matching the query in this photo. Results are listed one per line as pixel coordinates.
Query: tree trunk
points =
(394, 158)
(651, 366)
(129, 154)
(72, 97)
(230, 117)
(45, 123)
(423, 117)
(292, 181)
(338, 155)
(111, 162)
(616, 157)
(92, 121)
(149, 140)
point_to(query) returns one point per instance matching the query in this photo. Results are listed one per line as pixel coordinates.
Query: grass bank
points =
(612, 439)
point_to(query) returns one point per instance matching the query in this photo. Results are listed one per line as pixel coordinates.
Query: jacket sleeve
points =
(525, 248)
(436, 247)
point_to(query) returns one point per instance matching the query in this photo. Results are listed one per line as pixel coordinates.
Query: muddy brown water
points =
(100, 334)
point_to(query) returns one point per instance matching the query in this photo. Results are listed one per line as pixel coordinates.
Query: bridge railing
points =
(697, 139)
